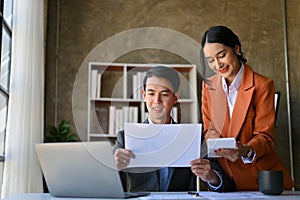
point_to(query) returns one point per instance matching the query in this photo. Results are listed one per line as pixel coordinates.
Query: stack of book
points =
(118, 116)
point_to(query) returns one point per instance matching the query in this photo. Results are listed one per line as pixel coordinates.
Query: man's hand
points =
(201, 168)
(122, 158)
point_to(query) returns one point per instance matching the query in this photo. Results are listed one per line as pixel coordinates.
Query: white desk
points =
(287, 195)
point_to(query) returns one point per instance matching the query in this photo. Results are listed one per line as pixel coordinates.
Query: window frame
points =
(5, 92)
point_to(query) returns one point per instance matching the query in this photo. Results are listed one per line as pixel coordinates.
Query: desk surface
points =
(287, 195)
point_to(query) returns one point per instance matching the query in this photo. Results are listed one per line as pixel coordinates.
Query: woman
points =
(239, 103)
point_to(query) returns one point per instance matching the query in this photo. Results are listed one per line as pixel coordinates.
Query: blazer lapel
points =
(242, 102)
(219, 106)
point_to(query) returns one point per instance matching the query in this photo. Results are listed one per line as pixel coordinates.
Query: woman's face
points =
(222, 60)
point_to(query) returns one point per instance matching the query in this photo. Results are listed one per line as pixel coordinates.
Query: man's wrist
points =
(215, 179)
(215, 187)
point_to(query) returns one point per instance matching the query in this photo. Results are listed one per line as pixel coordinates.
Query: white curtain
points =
(22, 173)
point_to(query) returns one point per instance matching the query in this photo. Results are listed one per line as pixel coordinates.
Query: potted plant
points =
(61, 133)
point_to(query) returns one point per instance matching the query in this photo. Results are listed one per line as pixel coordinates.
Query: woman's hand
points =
(201, 168)
(122, 158)
(234, 154)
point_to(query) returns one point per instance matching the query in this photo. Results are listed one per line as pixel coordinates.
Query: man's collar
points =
(151, 122)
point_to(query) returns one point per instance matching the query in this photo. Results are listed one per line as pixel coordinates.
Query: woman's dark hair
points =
(222, 35)
(164, 72)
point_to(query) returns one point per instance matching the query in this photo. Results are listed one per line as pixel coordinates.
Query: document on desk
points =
(160, 145)
(208, 195)
(232, 195)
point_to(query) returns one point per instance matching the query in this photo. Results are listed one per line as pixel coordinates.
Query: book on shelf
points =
(125, 111)
(140, 84)
(133, 114)
(174, 114)
(111, 123)
(98, 91)
(119, 120)
(118, 116)
(137, 85)
(95, 84)
(134, 89)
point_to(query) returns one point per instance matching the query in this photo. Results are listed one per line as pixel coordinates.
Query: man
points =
(160, 92)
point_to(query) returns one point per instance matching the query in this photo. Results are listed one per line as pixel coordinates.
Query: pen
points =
(198, 184)
(196, 194)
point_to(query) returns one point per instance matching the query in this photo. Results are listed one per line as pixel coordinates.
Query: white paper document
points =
(160, 145)
(232, 195)
(208, 195)
(216, 143)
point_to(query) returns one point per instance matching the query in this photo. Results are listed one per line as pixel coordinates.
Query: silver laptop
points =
(81, 169)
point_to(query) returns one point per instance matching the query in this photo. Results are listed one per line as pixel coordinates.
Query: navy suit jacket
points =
(182, 178)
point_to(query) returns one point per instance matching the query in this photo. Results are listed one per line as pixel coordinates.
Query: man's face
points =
(160, 98)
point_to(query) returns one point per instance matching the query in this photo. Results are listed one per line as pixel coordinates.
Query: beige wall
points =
(259, 23)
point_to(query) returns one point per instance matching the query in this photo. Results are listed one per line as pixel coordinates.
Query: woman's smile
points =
(224, 70)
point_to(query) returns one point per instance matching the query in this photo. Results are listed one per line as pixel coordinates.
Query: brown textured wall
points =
(293, 24)
(259, 24)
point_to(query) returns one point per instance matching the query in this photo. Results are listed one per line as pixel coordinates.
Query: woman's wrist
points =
(249, 152)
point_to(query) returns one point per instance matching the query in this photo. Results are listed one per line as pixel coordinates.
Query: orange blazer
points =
(252, 123)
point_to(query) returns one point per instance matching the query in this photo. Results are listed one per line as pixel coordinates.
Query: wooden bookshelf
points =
(117, 86)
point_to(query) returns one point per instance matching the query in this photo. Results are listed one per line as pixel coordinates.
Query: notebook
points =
(81, 169)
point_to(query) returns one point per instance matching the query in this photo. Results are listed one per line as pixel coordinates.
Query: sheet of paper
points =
(208, 195)
(216, 143)
(171, 196)
(159, 145)
(232, 195)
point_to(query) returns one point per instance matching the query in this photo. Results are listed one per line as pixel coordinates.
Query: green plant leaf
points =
(64, 124)
(61, 133)
(53, 130)
(64, 131)
(71, 138)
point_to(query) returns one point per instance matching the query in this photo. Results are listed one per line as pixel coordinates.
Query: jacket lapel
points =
(242, 102)
(218, 107)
